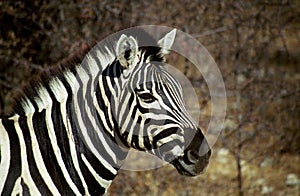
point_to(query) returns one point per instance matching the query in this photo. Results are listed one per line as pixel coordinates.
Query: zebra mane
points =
(28, 90)
(93, 57)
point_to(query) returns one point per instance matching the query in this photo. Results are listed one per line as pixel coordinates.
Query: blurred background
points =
(256, 45)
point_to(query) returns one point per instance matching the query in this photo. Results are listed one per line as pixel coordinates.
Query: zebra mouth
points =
(181, 169)
(188, 169)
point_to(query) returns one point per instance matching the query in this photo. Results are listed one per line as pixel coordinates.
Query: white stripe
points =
(102, 116)
(116, 93)
(104, 183)
(183, 118)
(57, 151)
(74, 156)
(106, 102)
(44, 101)
(144, 78)
(75, 86)
(109, 55)
(84, 78)
(58, 89)
(161, 128)
(72, 81)
(112, 90)
(39, 159)
(105, 56)
(17, 190)
(180, 104)
(25, 173)
(61, 95)
(134, 122)
(5, 155)
(92, 66)
(170, 138)
(141, 131)
(27, 106)
(161, 117)
(123, 112)
(176, 151)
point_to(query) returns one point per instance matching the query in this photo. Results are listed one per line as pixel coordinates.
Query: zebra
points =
(70, 132)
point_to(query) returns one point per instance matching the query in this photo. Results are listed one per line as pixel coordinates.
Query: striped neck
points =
(67, 119)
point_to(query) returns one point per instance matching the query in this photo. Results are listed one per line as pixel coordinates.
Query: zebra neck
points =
(66, 122)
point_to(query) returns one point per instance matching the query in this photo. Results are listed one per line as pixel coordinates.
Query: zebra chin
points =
(195, 157)
(191, 169)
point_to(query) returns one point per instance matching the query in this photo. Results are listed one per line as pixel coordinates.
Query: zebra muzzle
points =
(195, 158)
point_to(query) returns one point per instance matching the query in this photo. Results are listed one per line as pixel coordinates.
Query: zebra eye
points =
(147, 97)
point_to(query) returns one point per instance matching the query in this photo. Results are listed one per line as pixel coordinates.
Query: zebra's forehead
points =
(154, 75)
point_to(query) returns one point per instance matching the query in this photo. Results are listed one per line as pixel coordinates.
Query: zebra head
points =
(149, 106)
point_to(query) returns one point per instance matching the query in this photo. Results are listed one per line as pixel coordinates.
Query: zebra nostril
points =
(192, 156)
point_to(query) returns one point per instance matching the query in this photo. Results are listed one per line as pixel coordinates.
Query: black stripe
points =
(147, 144)
(108, 96)
(94, 187)
(172, 96)
(92, 133)
(166, 147)
(47, 152)
(15, 157)
(36, 176)
(112, 140)
(113, 70)
(112, 125)
(124, 136)
(25, 189)
(82, 148)
(126, 114)
(135, 143)
(63, 144)
(159, 123)
(163, 134)
(100, 99)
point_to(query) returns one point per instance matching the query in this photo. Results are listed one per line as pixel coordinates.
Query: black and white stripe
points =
(71, 132)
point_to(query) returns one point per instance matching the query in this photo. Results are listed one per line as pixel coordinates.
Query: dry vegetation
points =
(256, 45)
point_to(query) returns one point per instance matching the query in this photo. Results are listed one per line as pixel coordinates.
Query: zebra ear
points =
(127, 49)
(166, 42)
